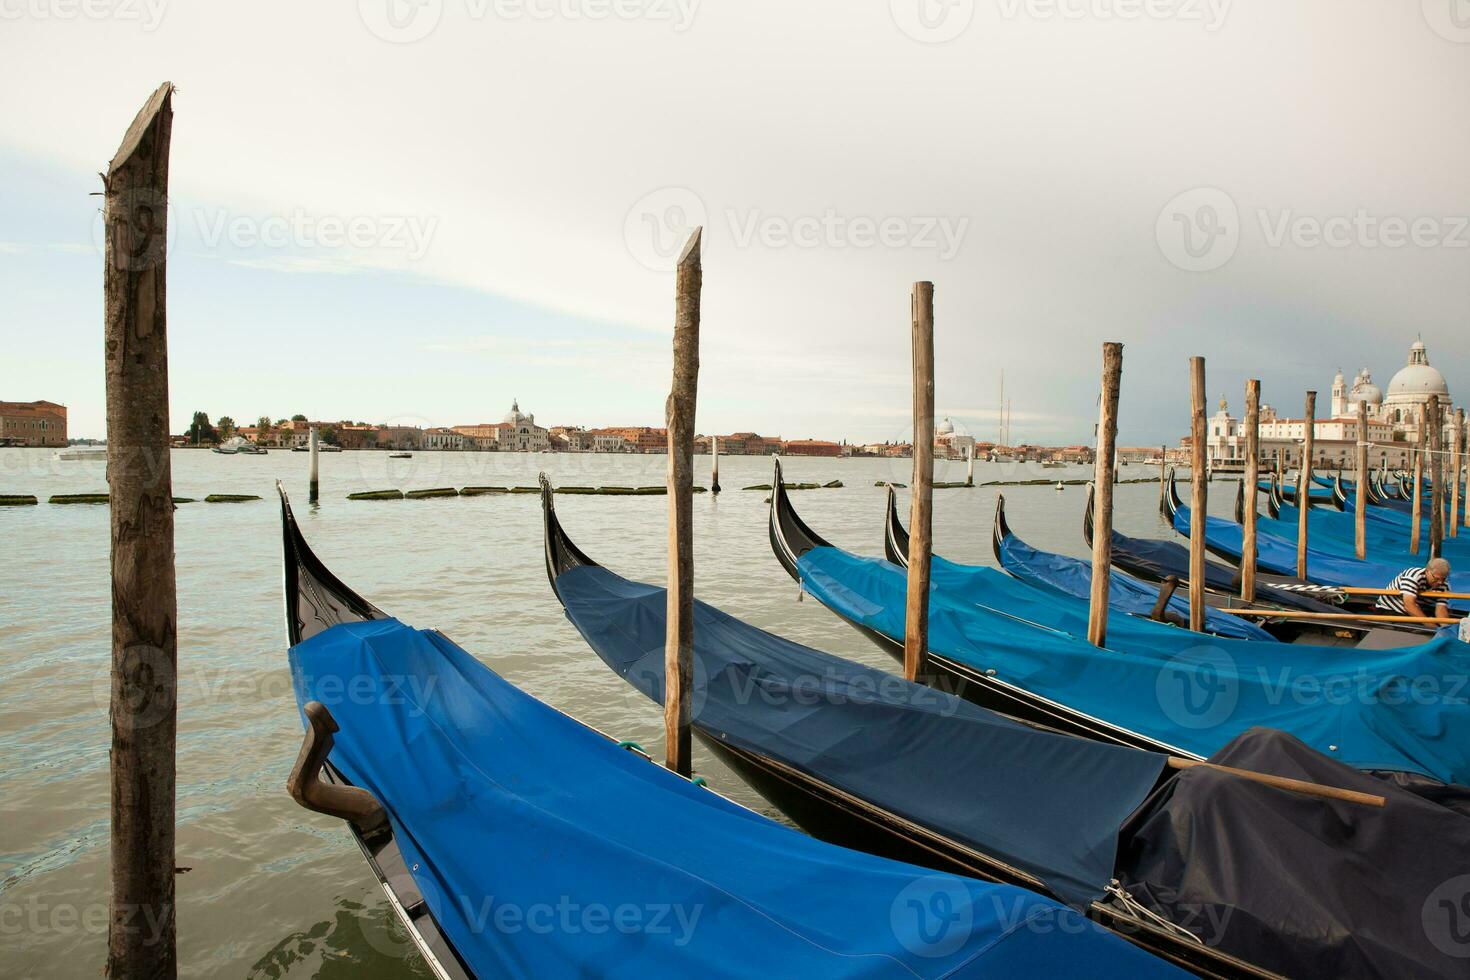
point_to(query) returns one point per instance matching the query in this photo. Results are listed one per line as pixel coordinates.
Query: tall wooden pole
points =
(141, 925)
(714, 467)
(1199, 497)
(1457, 457)
(314, 493)
(1304, 488)
(1163, 471)
(1360, 498)
(1436, 478)
(1248, 554)
(679, 417)
(916, 615)
(1417, 505)
(970, 467)
(1102, 475)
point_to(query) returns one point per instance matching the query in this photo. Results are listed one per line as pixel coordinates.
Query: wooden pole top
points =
(160, 102)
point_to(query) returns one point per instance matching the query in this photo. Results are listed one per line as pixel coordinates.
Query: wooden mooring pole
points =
(916, 614)
(1249, 491)
(1436, 478)
(141, 931)
(1304, 485)
(1360, 498)
(315, 490)
(1199, 496)
(970, 467)
(714, 466)
(1102, 475)
(1417, 505)
(1457, 456)
(679, 417)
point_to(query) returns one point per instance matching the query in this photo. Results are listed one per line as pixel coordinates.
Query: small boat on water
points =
(488, 817)
(240, 446)
(400, 455)
(867, 759)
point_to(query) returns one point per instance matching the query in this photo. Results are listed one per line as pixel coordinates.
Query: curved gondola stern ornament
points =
(1087, 515)
(895, 535)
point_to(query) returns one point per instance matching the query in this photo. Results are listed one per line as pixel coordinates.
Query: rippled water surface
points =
(278, 891)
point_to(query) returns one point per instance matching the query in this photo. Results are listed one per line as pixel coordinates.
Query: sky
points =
(414, 211)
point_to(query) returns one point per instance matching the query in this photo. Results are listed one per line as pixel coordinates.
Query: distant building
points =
(950, 443)
(444, 439)
(357, 436)
(519, 433)
(811, 447)
(400, 437)
(749, 444)
(570, 439)
(609, 442)
(39, 423)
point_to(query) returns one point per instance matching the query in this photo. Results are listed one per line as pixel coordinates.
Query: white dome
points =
(1417, 381)
(1364, 390)
(945, 428)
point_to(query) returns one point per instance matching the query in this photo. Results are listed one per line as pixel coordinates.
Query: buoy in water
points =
(1060, 488)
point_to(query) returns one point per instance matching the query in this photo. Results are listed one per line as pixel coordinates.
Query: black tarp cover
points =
(1346, 891)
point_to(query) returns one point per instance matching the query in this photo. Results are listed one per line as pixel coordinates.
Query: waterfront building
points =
(811, 447)
(357, 436)
(444, 439)
(749, 444)
(950, 443)
(519, 432)
(608, 442)
(38, 423)
(400, 437)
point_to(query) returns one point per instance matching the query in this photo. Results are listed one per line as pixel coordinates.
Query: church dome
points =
(1364, 390)
(1417, 381)
(945, 428)
(514, 416)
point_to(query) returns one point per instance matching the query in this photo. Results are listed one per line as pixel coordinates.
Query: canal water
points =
(274, 890)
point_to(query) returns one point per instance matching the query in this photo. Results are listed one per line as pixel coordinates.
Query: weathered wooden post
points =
(916, 614)
(1199, 496)
(1360, 497)
(311, 440)
(679, 417)
(141, 927)
(714, 466)
(970, 467)
(1250, 489)
(1102, 475)
(1304, 487)
(1436, 478)
(1456, 458)
(1163, 475)
(1417, 505)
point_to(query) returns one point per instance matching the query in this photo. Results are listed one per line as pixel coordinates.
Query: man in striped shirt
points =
(1410, 583)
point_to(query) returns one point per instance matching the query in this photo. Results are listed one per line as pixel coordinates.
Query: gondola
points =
(1015, 650)
(1279, 556)
(911, 768)
(470, 799)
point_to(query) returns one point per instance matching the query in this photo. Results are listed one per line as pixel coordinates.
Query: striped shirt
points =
(1409, 582)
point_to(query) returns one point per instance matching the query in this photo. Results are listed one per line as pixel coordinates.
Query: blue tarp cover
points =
(1045, 803)
(1388, 537)
(543, 850)
(1279, 556)
(1400, 710)
(1072, 578)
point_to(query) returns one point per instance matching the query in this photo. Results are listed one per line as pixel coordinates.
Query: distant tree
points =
(200, 431)
(298, 418)
(226, 426)
(281, 422)
(264, 424)
(328, 434)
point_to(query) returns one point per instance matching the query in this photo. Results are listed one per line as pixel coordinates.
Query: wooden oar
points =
(1285, 782)
(1377, 618)
(1354, 590)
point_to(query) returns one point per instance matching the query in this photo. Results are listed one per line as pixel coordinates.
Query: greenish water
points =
(277, 891)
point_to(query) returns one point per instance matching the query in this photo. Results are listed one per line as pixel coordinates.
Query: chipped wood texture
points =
(1103, 473)
(1248, 550)
(921, 510)
(141, 927)
(1360, 501)
(1457, 459)
(1436, 478)
(1418, 501)
(679, 417)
